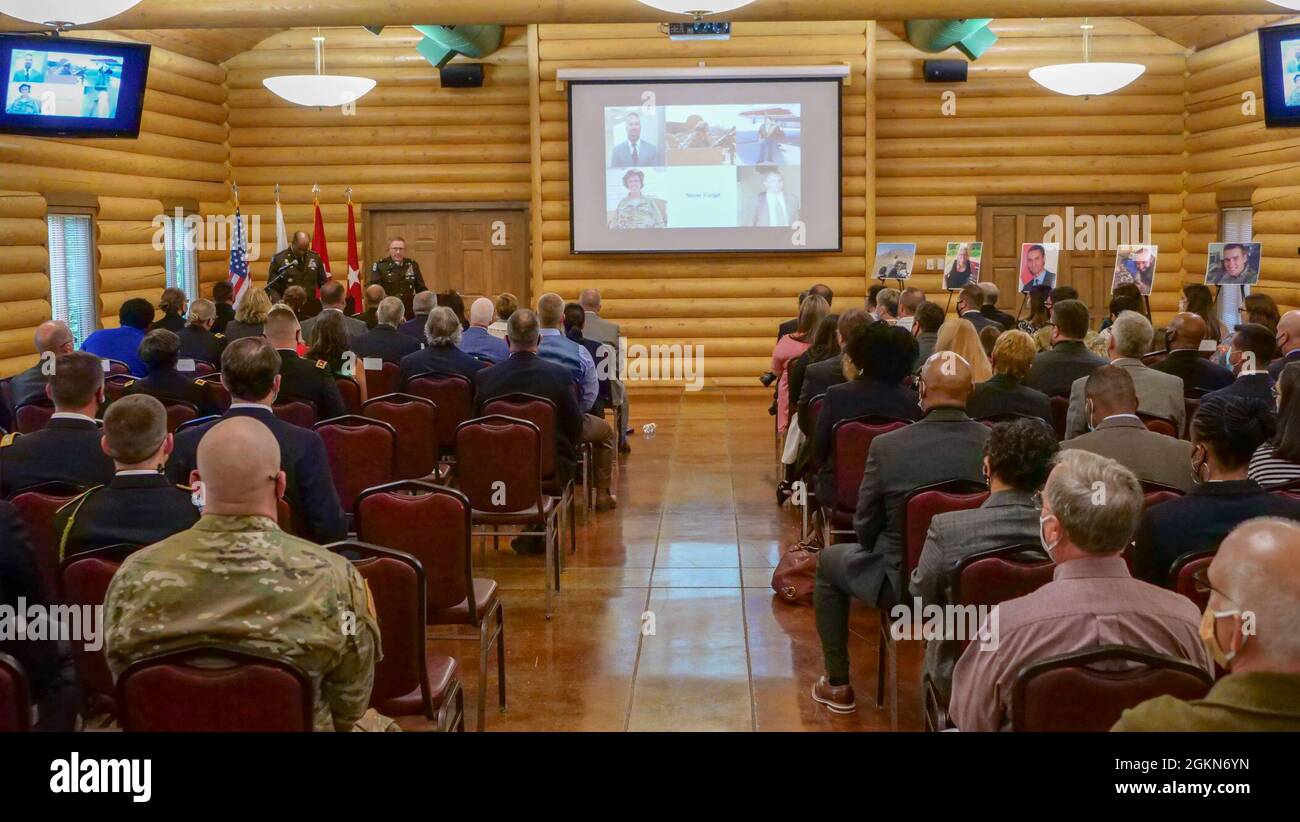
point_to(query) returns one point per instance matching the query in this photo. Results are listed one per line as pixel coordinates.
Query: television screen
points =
(1279, 65)
(58, 87)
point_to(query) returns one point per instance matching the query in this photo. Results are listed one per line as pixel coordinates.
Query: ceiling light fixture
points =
(1086, 79)
(64, 14)
(320, 90)
(693, 7)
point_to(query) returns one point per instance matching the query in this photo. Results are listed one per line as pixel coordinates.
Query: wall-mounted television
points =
(61, 87)
(1279, 65)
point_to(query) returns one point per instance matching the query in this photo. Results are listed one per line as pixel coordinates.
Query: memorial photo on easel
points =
(961, 265)
(1135, 265)
(1233, 264)
(894, 260)
(1038, 265)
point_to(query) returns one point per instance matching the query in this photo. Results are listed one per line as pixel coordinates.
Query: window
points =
(1234, 227)
(72, 272)
(182, 258)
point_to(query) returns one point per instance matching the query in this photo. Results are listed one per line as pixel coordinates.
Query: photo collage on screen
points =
(703, 166)
(63, 84)
(1291, 71)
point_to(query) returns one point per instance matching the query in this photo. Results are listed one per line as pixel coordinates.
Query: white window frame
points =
(181, 260)
(85, 275)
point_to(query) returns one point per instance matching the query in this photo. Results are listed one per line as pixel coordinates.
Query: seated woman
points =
(636, 210)
(1039, 314)
(789, 348)
(960, 337)
(331, 344)
(1005, 392)
(505, 305)
(250, 317)
(826, 344)
(1277, 461)
(1226, 432)
(1017, 460)
(1260, 309)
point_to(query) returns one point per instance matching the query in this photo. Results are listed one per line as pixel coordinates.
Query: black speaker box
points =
(462, 75)
(946, 71)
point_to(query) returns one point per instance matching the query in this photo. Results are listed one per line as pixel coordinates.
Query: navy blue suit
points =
(170, 384)
(385, 342)
(440, 359)
(1195, 371)
(66, 450)
(526, 373)
(1258, 387)
(415, 327)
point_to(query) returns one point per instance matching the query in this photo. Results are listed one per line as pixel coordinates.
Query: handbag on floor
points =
(795, 575)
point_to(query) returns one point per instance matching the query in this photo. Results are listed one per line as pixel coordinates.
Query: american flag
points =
(239, 279)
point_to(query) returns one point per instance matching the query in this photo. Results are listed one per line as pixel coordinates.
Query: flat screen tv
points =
(61, 87)
(1279, 65)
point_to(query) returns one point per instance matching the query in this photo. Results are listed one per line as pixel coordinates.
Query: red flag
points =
(354, 260)
(318, 243)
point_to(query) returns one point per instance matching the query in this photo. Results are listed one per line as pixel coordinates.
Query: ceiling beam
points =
(161, 14)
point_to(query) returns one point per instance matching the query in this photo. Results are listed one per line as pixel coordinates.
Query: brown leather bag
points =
(796, 573)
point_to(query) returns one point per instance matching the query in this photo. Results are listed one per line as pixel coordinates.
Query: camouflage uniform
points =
(243, 584)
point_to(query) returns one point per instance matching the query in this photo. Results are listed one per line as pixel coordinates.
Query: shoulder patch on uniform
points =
(8, 439)
(128, 383)
(219, 335)
(185, 488)
(322, 365)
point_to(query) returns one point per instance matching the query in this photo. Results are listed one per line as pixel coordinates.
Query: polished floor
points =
(688, 553)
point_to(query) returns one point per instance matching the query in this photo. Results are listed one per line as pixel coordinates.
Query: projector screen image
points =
(1279, 56)
(72, 86)
(699, 166)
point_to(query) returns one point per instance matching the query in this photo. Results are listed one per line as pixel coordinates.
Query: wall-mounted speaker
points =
(946, 71)
(462, 75)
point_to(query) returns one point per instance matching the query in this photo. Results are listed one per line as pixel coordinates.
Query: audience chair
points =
(1186, 576)
(202, 368)
(1152, 487)
(115, 386)
(196, 423)
(350, 390)
(37, 506)
(1156, 494)
(387, 379)
(850, 442)
(1069, 693)
(1060, 414)
(362, 454)
(1154, 358)
(1160, 425)
(181, 692)
(415, 421)
(179, 413)
(296, 412)
(433, 525)
(117, 367)
(453, 396)
(33, 416)
(541, 413)
(15, 697)
(217, 390)
(85, 580)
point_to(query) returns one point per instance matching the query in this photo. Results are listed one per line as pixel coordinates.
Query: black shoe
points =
(527, 546)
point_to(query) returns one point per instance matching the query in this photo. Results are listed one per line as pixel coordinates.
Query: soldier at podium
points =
(399, 276)
(298, 265)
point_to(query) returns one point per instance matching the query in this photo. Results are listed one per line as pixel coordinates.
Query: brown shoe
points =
(839, 698)
(605, 501)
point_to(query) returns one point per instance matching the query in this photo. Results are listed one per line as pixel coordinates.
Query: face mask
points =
(1211, 638)
(1042, 537)
(1087, 410)
(1197, 468)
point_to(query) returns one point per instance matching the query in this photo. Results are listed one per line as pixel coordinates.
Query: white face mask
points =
(1042, 536)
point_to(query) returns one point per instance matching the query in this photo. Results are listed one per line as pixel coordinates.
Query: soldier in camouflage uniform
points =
(399, 276)
(236, 580)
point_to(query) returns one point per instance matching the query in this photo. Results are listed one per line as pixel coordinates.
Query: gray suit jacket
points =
(1158, 393)
(647, 154)
(944, 445)
(355, 328)
(606, 333)
(1153, 457)
(1006, 518)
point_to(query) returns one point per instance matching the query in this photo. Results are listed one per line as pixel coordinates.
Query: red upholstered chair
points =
(1152, 487)
(218, 391)
(432, 524)
(179, 692)
(115, 386)
(407, 681)
(1154, 358)
(1186, 576)
(15, 697)
(179, 413)
(350, 390)
(1060, 414)
(37, 506)
(1159, 425)
(198, 423)
(1069, 693)
(850, 442)
(1155, 497)
(85, 580)
(415, 420)
(33, 416)
(387, 379)
(296, 412)
(453, 395)
(116, 367)
(7, 391)
(541, 413)
(362, 453)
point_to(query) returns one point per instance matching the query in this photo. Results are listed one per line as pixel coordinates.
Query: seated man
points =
(67, 449)
(384, 341)
(476, 340)
(333, 298)
(1183, 342)
(1116, 432)
(421, 305)
(1160, 395)
(1092, 600)
(53, 338)
(945, 445)
(1252, 348)
(1017, 459)
(159, 351)
(601, 330)
(1054, 371)
(250, 372)
(1256, 572)
(122, 343)
(372, 296)
(307, 380)
(198, 341)
(140, 505)
(441, 356)
(236, 581)
(990, 308)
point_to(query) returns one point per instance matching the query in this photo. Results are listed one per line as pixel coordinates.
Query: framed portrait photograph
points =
(1135, 265)
(1233, 264)
(1038, 263)
(894, 261)
(961, 264)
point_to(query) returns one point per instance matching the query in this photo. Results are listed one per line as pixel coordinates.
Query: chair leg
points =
(549, 560)
(881, 655)
(556, 535)
(573, 528)
(460, 710)
(501, 655)
(482, 673)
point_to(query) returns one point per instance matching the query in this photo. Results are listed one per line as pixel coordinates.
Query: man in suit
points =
(198, 340)
(333, 297)
(1036, 266)
(122, 343)
(159, 351)
(790, 326)
(945, 445)
(1159, 394)
(441, 355)
(969, 302)
(1288, 344)
(139, 505)
(307, 380)
(53, 339)
(1017, 460)
(1183, 341)
(1252, 346)
(421, 305)
(634, 152)
(604, 332)
(67, 449)
(476, 341)
(1233, 268)
(1116, 432)
(1055, 371)
(384, 340)
(774, 207)
(990, 308)
(372, 296)
(820, 376)
(929, 319)
(250, 370)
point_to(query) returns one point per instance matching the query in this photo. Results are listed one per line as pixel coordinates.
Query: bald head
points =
(374, 295)
(54, 336)
(239, 466)
(1111, 391)
(1188, 330)
(1288, 332)
(947, 381)
(481, 312)
(590, 300)
(282, 328)
(1257, 569)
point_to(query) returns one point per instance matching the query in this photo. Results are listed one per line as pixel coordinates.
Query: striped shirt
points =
(1269, 470)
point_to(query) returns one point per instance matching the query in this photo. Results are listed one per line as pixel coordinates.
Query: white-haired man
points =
(384, 340)
(476, 341)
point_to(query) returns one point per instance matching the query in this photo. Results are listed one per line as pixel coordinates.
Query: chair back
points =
(537, 410)
(1159, 425)
(15, 697)
(116, 367)
(415, 420)
(115, 386)
(453, 395)
(1156, 497)
(387, 379)
(924, 504)
(296, 412)
(85, 579)
(499, 466)
(1154, 358)
(362, 453)
(850, 441)
(1182, 576)
(1060, 414)
(203, 368)
(989, 578)
(217, 390)
(196, 423)
(432, 524)
(350, 391)
(181, 692)
(1069, 693)
(33, 416)
(37, 506)
(809, 412)
(179, 413)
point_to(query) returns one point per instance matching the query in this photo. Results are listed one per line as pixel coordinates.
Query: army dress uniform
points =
(170, 384)
(239, 582)
(402, 280)
(306, 269)
(66, 450)
(198, 343)
(136, 507)
(312, 381)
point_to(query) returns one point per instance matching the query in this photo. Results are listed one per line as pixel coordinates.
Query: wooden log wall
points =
(1011, 137)
(180, 155)
(1233, 159)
